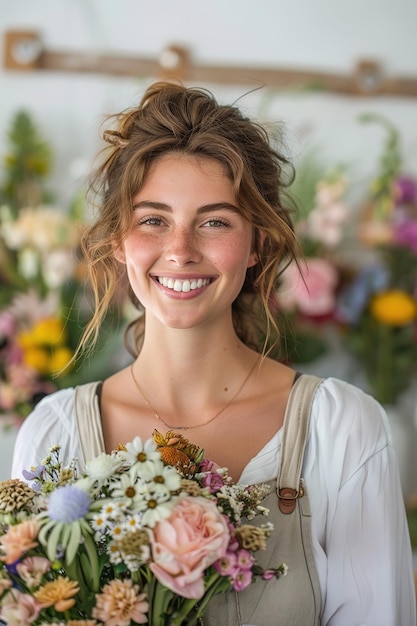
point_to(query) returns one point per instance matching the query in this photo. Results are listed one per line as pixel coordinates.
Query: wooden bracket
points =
(24, 51)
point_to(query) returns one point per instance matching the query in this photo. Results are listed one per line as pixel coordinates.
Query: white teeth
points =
(183, 285)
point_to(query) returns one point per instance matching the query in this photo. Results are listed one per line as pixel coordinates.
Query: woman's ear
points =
(119, 253)
(258, 243)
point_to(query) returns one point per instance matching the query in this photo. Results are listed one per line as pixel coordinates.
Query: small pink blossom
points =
(227, 565)
(242, 579)
(32, 569)
(244, 559)
(193, 537)
(213, 481)
(19, 609)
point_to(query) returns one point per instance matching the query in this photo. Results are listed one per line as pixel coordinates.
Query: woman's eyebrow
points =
(205, 208)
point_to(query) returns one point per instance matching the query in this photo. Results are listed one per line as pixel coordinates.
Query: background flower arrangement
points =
(306, 304)
(359, 287)
(148, 535)
(378, 307)
(43, 305)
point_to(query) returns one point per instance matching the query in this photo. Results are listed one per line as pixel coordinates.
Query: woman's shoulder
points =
(52, 422)
(348, 421)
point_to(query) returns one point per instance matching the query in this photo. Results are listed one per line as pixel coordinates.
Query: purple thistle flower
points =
(68, 504)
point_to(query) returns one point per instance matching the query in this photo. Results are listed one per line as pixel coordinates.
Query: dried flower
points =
(251, 537)
(15, 495)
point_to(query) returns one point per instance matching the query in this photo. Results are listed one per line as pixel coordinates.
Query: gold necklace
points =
(154, 411)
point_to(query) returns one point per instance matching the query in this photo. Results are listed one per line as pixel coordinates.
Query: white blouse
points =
(359, 529)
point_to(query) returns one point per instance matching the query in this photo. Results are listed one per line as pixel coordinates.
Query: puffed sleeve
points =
(361, 539)
(51, 423)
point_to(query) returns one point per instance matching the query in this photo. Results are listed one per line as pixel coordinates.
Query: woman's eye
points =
(150, 221)
(216, 222)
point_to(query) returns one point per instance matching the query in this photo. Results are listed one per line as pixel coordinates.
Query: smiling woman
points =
(195, 222)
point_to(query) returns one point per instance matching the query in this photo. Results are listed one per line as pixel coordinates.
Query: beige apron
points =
(293, 600)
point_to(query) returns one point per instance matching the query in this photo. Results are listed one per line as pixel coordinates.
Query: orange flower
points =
(58, 593)
(18, 540)
(119, 603)
(395, 308)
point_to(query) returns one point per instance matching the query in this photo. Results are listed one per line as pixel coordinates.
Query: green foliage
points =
(390, 163)
(26, 165)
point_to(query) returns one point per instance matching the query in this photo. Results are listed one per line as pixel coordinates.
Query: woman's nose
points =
(182, 247)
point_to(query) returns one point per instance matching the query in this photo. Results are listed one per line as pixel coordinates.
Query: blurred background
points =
(336, 82)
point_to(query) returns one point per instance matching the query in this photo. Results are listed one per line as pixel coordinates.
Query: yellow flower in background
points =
(48, 331)
(44, 347)
(37, 358)
(395, 308)
(45, 332)
(59, 359)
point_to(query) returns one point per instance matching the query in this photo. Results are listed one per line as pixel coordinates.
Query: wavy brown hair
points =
(172, 118)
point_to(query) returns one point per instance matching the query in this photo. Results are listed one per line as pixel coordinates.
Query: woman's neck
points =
(182, 371)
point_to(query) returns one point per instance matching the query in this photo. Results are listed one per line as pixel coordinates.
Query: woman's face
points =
(189, 247)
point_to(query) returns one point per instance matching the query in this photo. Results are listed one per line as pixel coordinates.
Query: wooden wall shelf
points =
(24, 51)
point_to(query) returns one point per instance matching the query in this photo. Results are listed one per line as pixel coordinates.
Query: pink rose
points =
(186, 543)
(313, 296)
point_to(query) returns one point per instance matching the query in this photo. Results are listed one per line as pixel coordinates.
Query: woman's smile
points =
(180, 285)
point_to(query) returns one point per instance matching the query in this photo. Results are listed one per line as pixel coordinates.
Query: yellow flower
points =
(58, 593)
(48, 331)
(37, 358)
(59, 359)
(395, 308)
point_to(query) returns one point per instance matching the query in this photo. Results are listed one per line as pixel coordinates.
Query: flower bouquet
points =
(147, 535)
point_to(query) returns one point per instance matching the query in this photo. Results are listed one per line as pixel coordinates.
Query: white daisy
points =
(140, 453)
(155, 507)
(159, 475)
(126, 487)
(102, 467)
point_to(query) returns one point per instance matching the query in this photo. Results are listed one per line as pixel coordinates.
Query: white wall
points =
(325, 35)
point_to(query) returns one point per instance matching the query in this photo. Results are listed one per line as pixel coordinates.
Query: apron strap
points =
(295, 432)
(88, 418)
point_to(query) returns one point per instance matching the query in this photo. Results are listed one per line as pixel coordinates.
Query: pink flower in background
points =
(313, 293)
(325, 221)
(186, 543)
